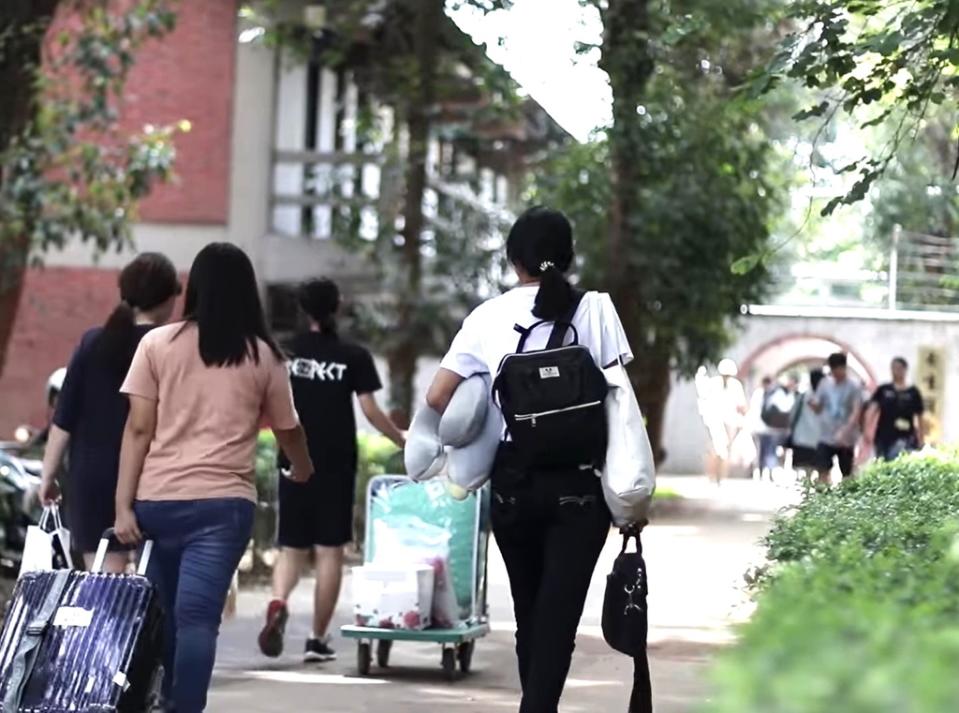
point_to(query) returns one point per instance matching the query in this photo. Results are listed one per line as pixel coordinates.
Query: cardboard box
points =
(393, 597)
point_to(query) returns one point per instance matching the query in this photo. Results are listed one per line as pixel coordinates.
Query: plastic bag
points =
(46, 549)
(411, 541)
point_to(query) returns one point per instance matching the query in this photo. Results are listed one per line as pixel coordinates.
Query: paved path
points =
(696, 559)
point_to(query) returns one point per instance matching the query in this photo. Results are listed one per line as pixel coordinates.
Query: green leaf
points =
(815, 111)
(745, 265)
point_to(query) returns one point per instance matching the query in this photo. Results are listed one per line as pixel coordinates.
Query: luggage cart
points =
(468, 522)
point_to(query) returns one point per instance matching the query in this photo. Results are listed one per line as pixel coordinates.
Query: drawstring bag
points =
(626, 620)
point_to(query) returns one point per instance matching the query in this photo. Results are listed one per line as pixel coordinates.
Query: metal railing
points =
(919, 273)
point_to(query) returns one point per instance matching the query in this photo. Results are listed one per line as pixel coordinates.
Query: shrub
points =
(859, 611)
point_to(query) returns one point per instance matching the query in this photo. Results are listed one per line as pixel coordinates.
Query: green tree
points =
(64, 169)
(918, 192)
(883, 63)
(681, 184)
(408, 55)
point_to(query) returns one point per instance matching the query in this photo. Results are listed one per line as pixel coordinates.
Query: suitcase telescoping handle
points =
(110, 536)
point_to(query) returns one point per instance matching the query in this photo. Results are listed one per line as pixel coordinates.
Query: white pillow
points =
(424, 456)
(465, 416)
(471, 465)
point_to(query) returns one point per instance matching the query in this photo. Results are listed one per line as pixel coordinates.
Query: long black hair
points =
(541, 242)
(145, 284)
(320, 299)
(223, 301)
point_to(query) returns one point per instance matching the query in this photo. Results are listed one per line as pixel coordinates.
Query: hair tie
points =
(546, 265)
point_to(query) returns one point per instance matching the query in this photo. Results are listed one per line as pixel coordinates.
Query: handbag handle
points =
(631, 533)
(50, 512)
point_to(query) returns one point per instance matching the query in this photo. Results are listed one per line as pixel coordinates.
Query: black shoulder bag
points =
(626, 620)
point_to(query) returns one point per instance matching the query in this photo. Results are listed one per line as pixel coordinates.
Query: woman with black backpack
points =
(549, 515)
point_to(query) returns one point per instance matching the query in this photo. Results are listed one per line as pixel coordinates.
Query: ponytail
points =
(328, 324)
(541, 243)
(555, 295)
(118, 339)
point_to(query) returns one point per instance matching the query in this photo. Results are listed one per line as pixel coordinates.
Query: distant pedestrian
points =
(899, 428)
(90, 410)
(769, 415)
(723, 406)
(326, 371)
(838, 399)
(806, 431)
(199, 391)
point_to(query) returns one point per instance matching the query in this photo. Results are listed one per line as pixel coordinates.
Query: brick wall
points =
(190, 75)
(57, 307)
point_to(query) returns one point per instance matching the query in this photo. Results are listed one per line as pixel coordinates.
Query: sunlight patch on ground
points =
(303, 677)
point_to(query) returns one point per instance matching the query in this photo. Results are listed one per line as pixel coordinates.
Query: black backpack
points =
(772, 415)
(553, 399)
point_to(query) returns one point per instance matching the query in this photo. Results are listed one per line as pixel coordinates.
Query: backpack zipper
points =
(531, 417)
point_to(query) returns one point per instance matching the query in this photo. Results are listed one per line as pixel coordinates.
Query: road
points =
(696, 557)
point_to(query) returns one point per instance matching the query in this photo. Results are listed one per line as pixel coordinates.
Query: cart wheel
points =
(465, 655)
(449, 664)
(383, 649)
(364, 658)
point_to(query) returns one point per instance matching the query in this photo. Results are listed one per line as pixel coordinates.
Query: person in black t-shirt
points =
(900, 414)
(325, 372)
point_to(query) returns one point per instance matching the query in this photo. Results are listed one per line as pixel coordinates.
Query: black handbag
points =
(626, 619)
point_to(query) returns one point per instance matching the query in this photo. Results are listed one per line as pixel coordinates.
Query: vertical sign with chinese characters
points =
(931, 380)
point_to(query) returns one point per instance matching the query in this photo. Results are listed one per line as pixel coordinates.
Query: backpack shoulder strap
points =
(565, 323)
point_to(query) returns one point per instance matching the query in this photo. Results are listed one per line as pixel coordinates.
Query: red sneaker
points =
(271, 637)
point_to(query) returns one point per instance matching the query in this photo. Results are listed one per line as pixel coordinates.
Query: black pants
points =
(550, 527)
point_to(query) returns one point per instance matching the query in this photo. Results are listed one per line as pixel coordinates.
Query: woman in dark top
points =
(91, 412)
(900, 406)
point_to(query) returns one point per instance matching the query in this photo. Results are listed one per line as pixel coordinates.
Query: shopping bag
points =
(629, 475)
(47, 544)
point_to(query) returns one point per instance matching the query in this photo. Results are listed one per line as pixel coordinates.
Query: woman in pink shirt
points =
(199, 391)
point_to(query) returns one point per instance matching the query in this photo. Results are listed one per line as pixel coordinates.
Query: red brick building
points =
(262, 167)
(191, 74)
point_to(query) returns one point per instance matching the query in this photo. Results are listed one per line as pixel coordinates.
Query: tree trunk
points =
(651, 377)
(627, 60)
(403, 355)
(22, 29)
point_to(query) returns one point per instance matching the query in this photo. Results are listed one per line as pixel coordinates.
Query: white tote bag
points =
(629, 476)
(47, 544)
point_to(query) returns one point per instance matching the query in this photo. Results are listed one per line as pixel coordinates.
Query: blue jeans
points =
(197, 548)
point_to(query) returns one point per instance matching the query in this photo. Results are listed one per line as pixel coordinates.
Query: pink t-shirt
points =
(207, 417)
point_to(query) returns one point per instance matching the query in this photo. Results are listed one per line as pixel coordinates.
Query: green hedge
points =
(859, 609)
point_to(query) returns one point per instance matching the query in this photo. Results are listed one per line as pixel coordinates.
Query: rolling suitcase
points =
(81, 641)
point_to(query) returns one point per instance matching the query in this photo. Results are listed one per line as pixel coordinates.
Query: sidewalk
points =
(697, 554)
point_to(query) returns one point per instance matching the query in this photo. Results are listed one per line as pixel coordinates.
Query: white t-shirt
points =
(488, 334)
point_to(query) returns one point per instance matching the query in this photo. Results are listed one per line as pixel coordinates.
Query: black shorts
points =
(805, 457)
(846, 457)
(318, 512)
